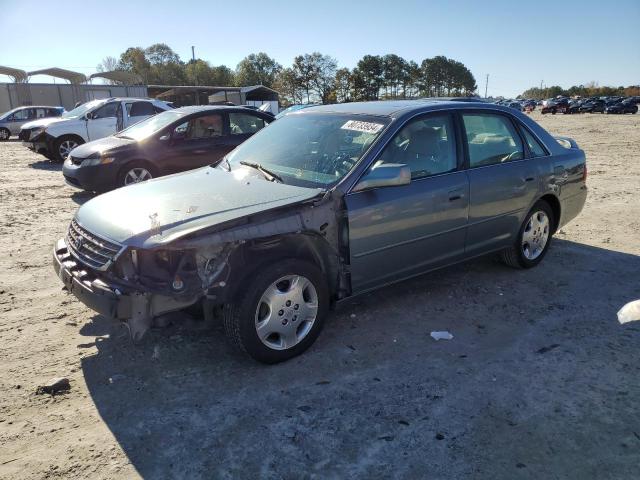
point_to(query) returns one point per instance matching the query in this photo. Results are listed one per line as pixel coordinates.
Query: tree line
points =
(591, 89)
(311, 78)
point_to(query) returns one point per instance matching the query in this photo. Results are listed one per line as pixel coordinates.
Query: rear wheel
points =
(4, 134)
(64, 145)
(280, 313)
(534, 238)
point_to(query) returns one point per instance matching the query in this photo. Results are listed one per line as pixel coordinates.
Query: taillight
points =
(584, 173)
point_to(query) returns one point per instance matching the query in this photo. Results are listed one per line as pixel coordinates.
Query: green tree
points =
(257, 69)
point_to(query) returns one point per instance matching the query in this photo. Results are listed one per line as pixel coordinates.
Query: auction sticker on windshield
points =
(360, 126)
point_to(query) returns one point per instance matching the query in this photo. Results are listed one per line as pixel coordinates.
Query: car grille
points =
(89, 249)
(24, 134)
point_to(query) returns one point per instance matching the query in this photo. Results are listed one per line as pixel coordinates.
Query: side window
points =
(41, 112)
(207, 126)
(537, 150)
(241, 123)
(140, 109)
(491, 139)
(22, 114)
(106, 111)
(157, 109)
(426, 146)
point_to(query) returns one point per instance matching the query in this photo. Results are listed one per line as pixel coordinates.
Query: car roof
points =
(203, 108)
(397, 108)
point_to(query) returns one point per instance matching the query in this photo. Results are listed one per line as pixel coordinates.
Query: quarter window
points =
(426, 146)
(491, 139)
(537, 150)
(242, 123)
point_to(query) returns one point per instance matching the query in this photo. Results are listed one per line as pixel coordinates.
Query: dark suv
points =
(324, 204)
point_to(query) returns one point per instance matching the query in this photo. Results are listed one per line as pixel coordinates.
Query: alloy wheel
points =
(535, 235)
(66, 147)
(286, 312)
(137, 175)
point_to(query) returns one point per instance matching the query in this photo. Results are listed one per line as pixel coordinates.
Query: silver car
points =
(13, 120)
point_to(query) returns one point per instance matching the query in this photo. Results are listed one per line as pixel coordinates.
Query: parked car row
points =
(321, 205)
(567, 105)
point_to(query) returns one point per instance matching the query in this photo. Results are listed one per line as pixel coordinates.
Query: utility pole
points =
(195, 74)
(486, 86)
(541, 84)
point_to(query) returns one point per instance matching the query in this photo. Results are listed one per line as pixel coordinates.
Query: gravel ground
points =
(539, 382)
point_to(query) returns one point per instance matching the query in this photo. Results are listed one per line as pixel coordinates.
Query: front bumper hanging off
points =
(113, 301)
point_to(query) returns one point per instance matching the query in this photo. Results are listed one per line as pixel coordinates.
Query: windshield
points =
(148, 127)
(82, 109)
(312, 149)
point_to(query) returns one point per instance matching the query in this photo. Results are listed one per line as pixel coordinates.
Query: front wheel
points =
(63, 147)
(136, 173)
(280, 313)
(4, 134)
(534, 238)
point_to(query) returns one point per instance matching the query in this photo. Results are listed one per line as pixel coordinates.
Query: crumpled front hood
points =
(160, 211)
(43, 122)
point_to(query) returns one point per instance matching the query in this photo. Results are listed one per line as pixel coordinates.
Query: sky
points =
(518, 44)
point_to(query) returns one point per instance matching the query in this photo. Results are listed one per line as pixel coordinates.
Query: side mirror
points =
(385, 175)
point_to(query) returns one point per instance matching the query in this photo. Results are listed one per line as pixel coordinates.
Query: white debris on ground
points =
(629, 313)
(441, 335)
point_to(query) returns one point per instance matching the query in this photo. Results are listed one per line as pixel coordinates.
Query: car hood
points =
(157, 212)
(43, 122)
(103, 144)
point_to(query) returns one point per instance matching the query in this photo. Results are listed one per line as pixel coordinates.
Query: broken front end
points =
(136, 285)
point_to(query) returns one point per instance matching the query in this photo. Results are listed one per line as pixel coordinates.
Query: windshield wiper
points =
(269, 175)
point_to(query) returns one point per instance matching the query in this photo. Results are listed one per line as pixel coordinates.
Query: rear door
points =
(502, 182)
(195, 143)
(396, 232)
(137, 111)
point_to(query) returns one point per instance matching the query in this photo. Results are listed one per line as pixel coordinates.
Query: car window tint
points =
(426, 146)
(140, 109)
(537, 150)
(106, 111)
(491, 139)
(241, 123)
(206, 126)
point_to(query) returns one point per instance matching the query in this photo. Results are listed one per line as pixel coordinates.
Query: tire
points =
(275, 283)
(136, 172)
(516, 256)
(5, 134)
(63, 146)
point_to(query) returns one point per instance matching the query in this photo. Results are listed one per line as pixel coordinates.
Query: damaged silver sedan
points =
(324, 204)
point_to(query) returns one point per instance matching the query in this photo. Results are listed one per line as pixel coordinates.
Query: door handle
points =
(455, 195)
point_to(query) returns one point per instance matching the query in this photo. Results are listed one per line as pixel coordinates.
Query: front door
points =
(502, 182)
(195, 143)
(102, 122)
(396, 232)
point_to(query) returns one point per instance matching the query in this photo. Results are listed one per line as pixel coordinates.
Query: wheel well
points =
(73, 136)
(554, 203)
(257, 254)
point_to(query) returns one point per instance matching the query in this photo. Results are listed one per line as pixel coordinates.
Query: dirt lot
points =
(539, 382)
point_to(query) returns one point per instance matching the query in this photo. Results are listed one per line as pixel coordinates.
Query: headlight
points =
(89, 162)
(36, 132)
